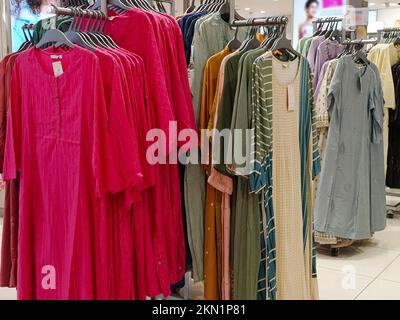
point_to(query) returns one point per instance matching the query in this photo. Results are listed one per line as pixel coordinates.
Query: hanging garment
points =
(351, 196)
(9, 250)
(326, 51)
(306, 47)
(134, 259)
(303, 46)
(384, 56)
(313, 49)
(188, 29)
(248, 284)
(393, 163)
(167, 82)
(275, 174)
(211, 35)
(213, 217)
(41, 145)
(225, 109)
(322, 118)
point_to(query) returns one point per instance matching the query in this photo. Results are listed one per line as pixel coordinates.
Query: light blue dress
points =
(351, 199)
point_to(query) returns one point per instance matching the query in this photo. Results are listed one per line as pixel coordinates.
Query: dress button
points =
(206, 252)
(212, 204)
(208, 229)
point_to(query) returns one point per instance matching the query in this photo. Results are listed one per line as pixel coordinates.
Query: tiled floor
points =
(368, 270)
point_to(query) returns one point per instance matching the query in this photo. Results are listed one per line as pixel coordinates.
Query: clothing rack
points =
(85, 13)
(390, 30)
(387, 30)
(28, 26)
(269, 21)
(360, 41)
(278, 21)
(326, 20)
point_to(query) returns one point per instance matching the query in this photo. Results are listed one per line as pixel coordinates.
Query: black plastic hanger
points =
(91, 25)
(191, 7)
(73, 34)
(320, 25)
(98, 32)
(113, 3)
(274, 34)
(84, 34)
(335, 34)
(234, 44)
(329, 28)
(206, 6)
(359, 55)
(251, 42)
(142, 4)
(54, 36)
(28, 39)
(284, 45)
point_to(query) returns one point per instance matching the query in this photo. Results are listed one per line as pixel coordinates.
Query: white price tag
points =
(57, 68)
(291, 92)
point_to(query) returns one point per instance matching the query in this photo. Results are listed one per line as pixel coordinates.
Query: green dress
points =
(247, 234)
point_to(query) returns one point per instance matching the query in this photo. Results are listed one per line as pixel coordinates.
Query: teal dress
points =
(351, 201)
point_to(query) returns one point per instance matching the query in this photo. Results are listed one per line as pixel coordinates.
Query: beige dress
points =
(292, 281)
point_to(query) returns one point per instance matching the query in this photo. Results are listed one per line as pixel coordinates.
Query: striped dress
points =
(286, 159)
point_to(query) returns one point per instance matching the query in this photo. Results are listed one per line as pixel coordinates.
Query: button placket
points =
(58, 106)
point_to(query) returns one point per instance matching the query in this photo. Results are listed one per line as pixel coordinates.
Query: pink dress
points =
(59, 142)
(153, 38)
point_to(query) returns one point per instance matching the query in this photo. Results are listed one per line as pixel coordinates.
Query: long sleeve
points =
(3, 111)
(12, 157)
(262, 124)
(334, 94)
(200, 56)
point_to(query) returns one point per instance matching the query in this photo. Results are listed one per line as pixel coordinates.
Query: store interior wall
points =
(390, 17)
(383, 14)
(4, 28)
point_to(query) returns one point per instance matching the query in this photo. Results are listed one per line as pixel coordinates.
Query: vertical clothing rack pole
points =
(104, 6)
(172, 6)
(231, 11)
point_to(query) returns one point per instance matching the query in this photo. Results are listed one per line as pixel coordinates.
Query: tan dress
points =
(292, 282)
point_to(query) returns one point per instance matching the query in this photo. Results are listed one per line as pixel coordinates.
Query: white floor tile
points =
(196, 291)
(336, 285)
(381, 290)
(392, 273)
(362, 260)
(8, 294)
(389, 238)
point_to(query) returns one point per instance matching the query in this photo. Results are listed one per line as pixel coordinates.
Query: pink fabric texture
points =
(96, 219)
